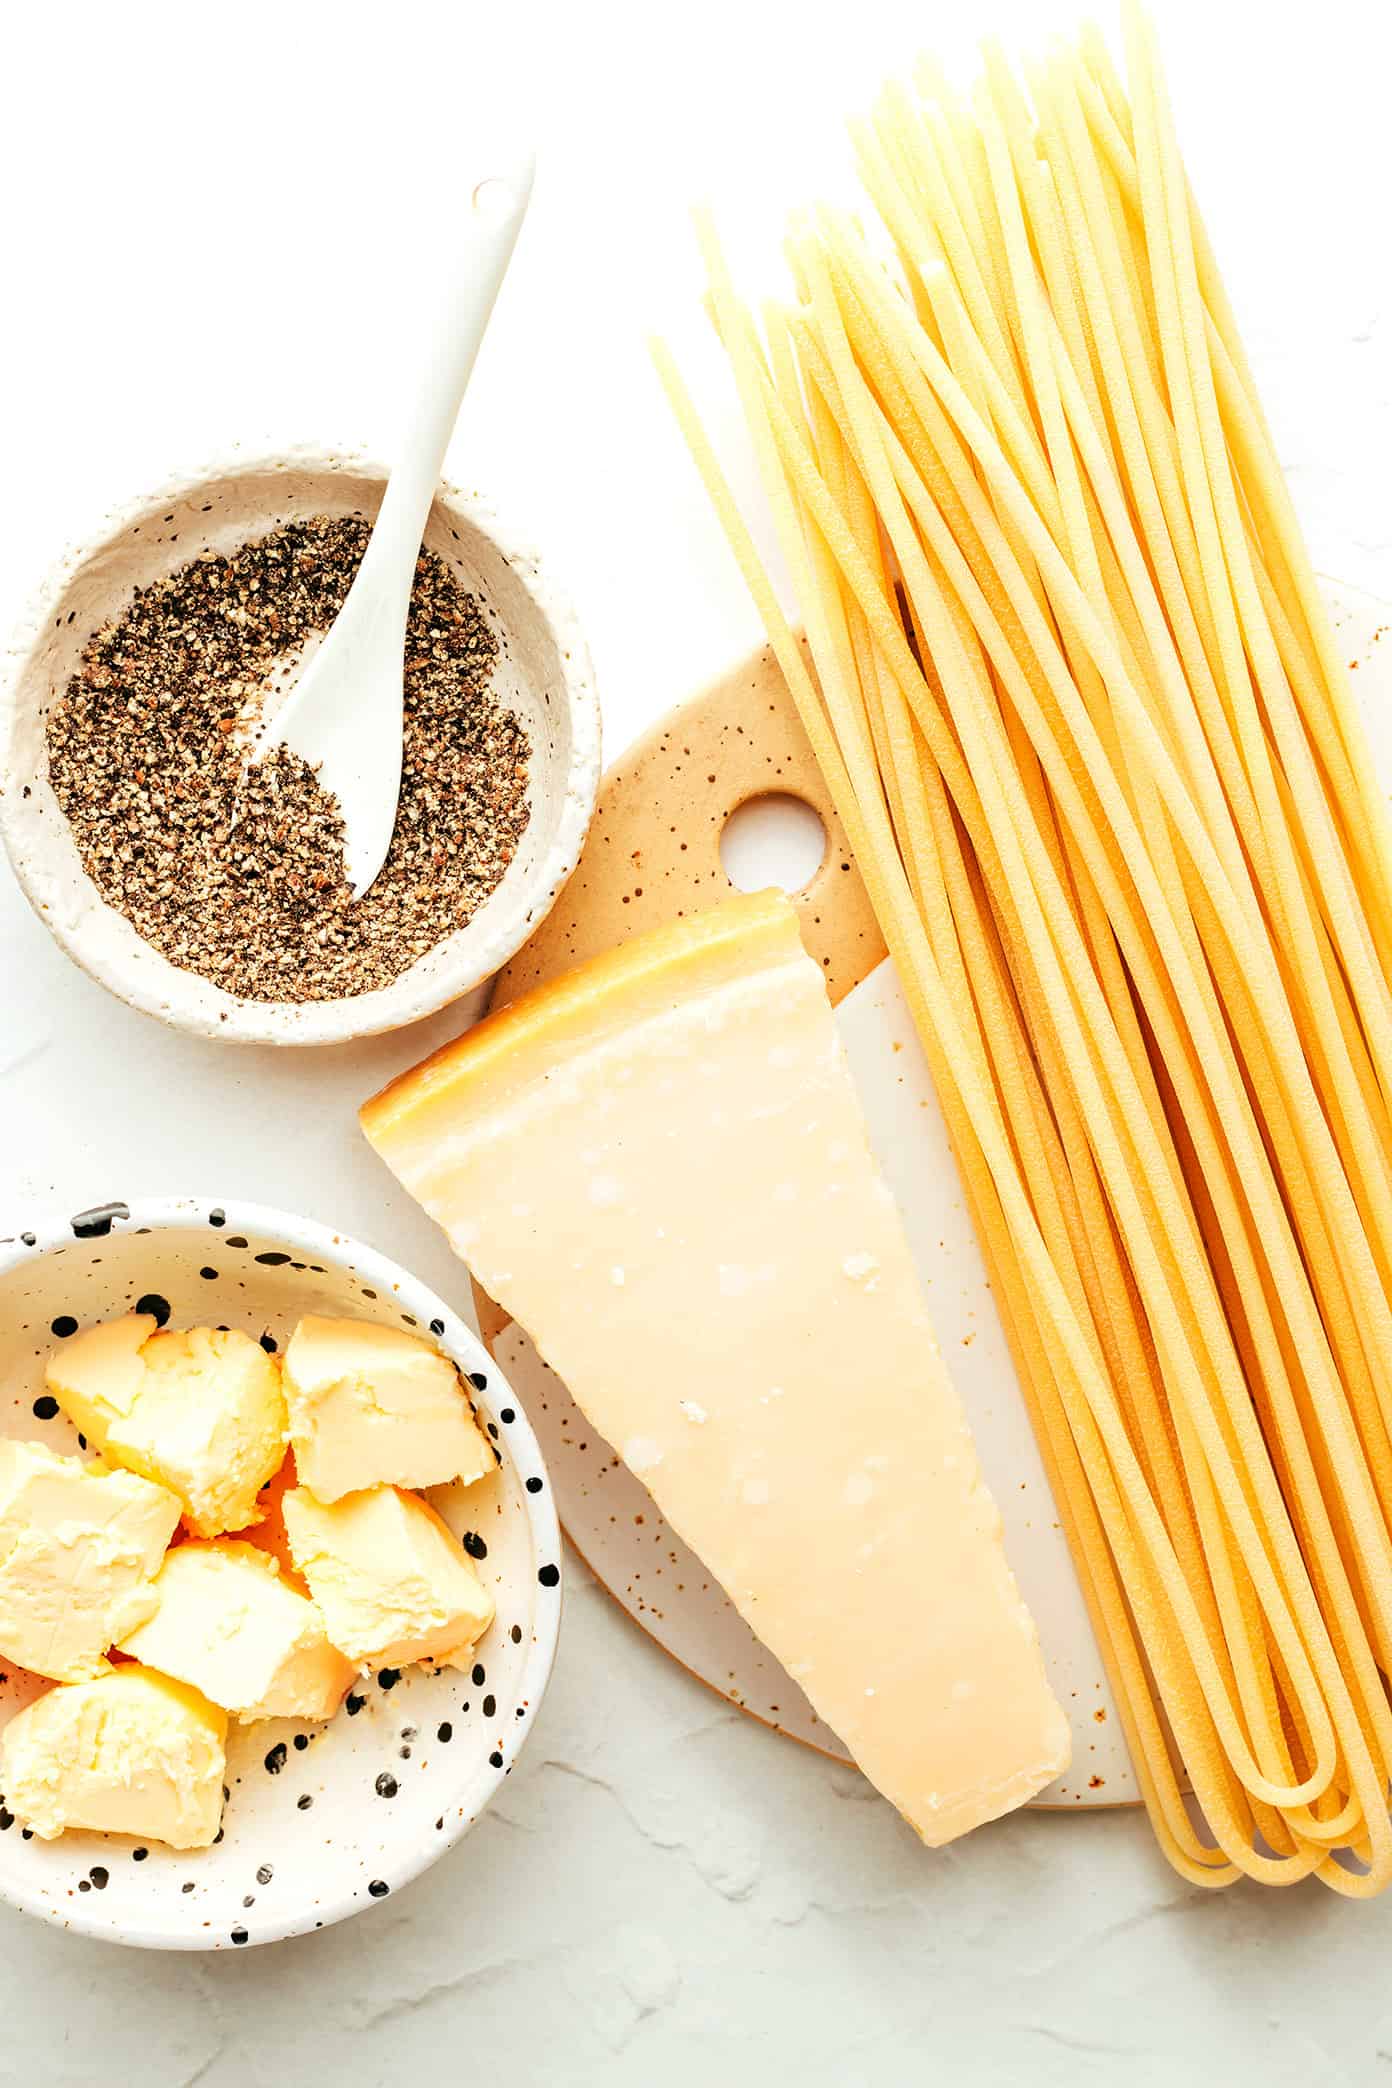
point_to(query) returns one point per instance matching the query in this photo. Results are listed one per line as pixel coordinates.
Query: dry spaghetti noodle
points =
(1082, 715)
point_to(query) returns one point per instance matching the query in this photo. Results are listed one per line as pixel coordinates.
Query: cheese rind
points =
(228, 1624)
(659, 1167)
(372, 1405)
(130, 1753)
(393, 1581)
(78, 1551)
(200, 1412)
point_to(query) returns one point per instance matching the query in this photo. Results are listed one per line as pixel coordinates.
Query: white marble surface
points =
(666, 1894)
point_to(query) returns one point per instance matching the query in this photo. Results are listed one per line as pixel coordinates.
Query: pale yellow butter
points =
(226, 1622)
(393, 1581)
(78, 1548)
(200, 1412)
(130, 1753)
(373, 1405)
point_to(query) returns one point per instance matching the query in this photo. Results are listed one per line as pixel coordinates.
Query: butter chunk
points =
(130, 1753)
(658, 1166)
(79, 1547)
(97, 1375)
(227, 1623)
(393, 1581)
(373, 1405)
(200, 1412)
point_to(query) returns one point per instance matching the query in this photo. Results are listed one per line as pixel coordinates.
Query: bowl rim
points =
(147, 986)
(192, 1214)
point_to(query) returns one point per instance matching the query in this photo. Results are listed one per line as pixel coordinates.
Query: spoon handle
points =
(497, 207)
(344, 716)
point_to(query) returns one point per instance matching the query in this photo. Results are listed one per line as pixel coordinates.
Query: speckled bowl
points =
(320, 1820)
(543, 674)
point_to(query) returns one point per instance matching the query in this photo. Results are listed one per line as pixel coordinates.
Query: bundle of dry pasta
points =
(1081, 712)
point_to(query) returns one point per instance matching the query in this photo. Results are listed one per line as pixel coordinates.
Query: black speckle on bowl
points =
(96, 1223)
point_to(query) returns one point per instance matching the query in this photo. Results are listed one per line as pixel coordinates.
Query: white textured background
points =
(219, 223)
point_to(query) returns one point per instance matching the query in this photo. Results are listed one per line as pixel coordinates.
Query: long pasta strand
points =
(1076, 700)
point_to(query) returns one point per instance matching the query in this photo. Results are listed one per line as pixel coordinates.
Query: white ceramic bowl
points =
(543, 674)
(308, 1834)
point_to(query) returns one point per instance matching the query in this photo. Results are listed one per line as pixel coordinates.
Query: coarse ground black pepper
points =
(236, 872)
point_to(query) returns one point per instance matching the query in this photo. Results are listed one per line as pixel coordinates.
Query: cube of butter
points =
(372, 1406)
(394, 1582)
(200, 1412)
(131, 1753)
(228, 1624)
(78, 1551)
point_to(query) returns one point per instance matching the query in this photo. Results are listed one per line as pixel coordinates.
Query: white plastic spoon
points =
(344, 715)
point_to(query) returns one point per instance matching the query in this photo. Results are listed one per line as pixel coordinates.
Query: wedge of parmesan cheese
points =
(658, 1165)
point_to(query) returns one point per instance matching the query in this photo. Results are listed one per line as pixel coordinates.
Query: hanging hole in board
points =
(774, 839)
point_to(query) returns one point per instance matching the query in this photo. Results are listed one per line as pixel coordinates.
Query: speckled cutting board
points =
(654, 853)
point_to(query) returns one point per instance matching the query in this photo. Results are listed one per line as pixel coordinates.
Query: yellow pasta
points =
(1075, 697)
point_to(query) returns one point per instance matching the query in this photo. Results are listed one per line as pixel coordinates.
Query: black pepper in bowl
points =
(236, 872)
